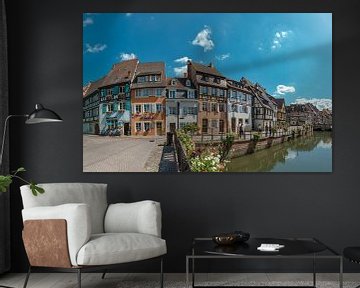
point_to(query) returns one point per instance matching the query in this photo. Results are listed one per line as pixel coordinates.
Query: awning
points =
(114, 115)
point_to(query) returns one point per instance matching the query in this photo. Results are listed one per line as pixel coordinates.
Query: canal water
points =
(304, 154)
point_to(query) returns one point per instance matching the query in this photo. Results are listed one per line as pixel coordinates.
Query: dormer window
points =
(217, 80)
(206, 78)
(188, 83)
(173, 82)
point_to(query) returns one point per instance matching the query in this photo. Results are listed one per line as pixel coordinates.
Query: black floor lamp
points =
(39, 115)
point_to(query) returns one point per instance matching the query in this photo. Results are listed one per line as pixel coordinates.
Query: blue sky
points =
(290, 54)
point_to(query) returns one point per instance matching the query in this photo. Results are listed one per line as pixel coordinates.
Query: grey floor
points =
(121, 280)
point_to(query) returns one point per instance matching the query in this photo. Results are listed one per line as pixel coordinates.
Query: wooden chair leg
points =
(79, 277)
(27, 277)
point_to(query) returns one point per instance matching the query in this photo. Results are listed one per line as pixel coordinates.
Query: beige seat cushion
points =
(114, 248)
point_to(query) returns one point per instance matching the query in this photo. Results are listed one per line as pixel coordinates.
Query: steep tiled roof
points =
(280, 102)
(180, 83)
(150, 68)
(121, 72)
(92, 86)
(237, 85)
(206, 69)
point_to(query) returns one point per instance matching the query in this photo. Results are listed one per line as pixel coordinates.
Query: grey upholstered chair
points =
(72, 228)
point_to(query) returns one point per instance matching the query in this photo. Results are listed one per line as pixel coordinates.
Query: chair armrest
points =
(78, 223)
(138, 217)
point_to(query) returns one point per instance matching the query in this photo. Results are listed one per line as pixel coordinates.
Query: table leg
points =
(187, 272)
(341, 273)
(314, 271)
(193, 272)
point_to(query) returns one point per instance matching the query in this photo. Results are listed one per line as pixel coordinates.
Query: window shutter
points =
(115, 90)
(103, 108)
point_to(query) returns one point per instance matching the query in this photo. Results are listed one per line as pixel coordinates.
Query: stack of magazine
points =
(270, 247)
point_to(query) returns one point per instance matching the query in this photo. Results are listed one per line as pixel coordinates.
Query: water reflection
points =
(305, 154)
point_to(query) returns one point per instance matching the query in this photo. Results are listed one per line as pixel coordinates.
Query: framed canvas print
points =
(209, 92)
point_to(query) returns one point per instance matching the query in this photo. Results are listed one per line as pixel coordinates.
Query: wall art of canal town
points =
(207, 92)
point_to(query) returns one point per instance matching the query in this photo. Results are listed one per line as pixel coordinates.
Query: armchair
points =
(71, 228)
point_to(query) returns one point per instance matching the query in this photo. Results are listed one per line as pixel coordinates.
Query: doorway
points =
(158, 128)
(172, 127)
(127, 129)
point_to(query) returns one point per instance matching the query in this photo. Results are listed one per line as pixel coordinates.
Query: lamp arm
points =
(4, 134)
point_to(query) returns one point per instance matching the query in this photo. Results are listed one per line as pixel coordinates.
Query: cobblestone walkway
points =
(121, 154)
(168, 160)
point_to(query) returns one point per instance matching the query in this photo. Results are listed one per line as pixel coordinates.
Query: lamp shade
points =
(42, 115)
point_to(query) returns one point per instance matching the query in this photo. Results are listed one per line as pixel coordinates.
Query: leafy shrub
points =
(187, 142)
(206, 162)
(225, 146)
(191, 128)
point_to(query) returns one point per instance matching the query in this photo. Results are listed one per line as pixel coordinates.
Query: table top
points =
(293, 247)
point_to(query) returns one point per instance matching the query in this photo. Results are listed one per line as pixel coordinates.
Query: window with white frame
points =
(213, 91)
(159, 91)
(234, 108)
(188, 83)
(137, 108)
(146, 108)
(146, 126)
(204, 106)
(192, 110)
(172, 93)
(138, 126)
(172, 110)
(214, 123)
(221, 107)
(213, 107)
(191, 94)
(121, 106)
(109, 107)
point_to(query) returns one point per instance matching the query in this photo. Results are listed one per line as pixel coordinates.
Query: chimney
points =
(189, 62)
(185, 75)
(211, 65)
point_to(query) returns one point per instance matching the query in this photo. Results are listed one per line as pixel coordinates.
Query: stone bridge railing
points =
(183, 162)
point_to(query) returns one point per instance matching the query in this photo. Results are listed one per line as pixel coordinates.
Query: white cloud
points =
(279, 38)
(320, 103)
(95, 48)
(283, 89)
(203, 39)
(128, 14)
(182, 60)
(324, 145)
(291, 155)
(127, 56)
(180, 71)
(88, 21)
(223, 56)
